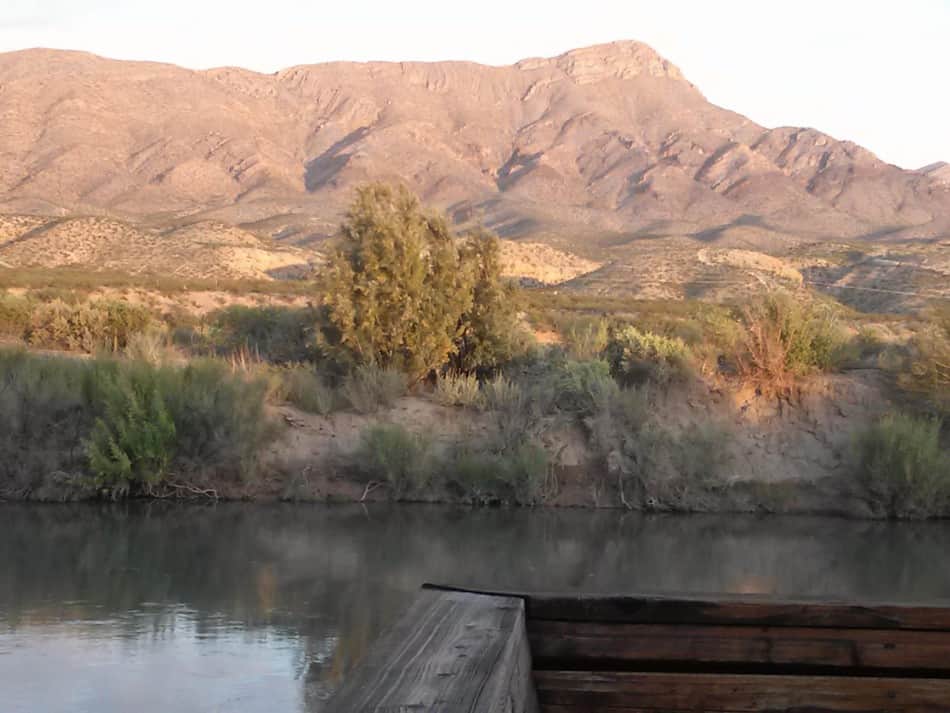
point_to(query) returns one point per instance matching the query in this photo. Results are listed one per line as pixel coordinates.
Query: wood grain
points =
(452, 652)
(716, 693)
(595, 645)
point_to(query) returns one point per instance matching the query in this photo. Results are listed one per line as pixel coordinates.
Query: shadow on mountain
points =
(711, 235)
(321, 170)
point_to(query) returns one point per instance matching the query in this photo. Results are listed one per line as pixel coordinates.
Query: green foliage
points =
(87, 326)
(308, 390)
(902, 468)
(458, 390)
(483, 476)
(637, 357)
(369, 388)
(396, 290)
(43, 418)
(389, 453)
(580, 387)
(220, 420)
(699, 454)
(279, 335)
(784, 337)
(488, 329)
(927, 372)
(585, 338)
(514, 411)
(133, 442)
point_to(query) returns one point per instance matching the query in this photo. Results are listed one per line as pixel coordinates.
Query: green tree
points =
(397, 288)
(486, 335)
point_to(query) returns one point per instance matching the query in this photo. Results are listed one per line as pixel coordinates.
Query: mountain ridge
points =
(585, 150)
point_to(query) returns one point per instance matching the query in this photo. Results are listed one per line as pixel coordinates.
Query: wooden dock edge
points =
(452, 652)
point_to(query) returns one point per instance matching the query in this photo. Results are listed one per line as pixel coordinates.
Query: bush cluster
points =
(308, 390)
(783, 337)
(124, 428)
(476, 472)
(279, 335)
(902, 467)
(637, 357)
(87, 326)
(453, 389)
(15, 313)
(927, 371)
(44, 416)
(369, 388)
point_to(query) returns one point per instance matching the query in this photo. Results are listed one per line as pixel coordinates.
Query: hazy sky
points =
(875, 72)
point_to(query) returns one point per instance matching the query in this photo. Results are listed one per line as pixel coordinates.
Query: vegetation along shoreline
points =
(410, 369)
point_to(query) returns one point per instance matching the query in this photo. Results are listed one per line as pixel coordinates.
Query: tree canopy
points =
(402, 291)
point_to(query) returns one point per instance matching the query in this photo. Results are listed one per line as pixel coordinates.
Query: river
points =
(251, 608)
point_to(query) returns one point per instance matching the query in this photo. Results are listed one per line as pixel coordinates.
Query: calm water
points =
(265, 608)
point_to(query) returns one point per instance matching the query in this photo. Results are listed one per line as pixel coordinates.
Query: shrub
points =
(369, 388)
(580, 387)
(620, 415)
(515, 412)
(700, 454)
(88, 326)
(483, 476)
(128, 425)
(150, 346)
(220, 420)
(280, 335)
(586, 338)
(14, 315)
(902, 468)
(928, 369)
(458, 390)
(69, 295)
(783, 338)
(389, 453)
(636, 357)
(308, 390)
(133, 442)
(43, 418)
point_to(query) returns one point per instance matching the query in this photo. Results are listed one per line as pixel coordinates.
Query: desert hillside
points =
(597, 147)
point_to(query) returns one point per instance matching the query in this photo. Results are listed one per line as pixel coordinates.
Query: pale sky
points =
(874, 72)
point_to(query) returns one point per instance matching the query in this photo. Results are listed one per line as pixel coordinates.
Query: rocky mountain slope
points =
(592, 151)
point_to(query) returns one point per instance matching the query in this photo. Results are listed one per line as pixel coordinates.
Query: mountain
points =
(592, 150)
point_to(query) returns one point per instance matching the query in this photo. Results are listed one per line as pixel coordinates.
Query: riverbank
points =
(711, 449)
(704, 446)
(775, 408)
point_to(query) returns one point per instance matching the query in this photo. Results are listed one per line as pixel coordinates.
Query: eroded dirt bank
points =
(773, 453)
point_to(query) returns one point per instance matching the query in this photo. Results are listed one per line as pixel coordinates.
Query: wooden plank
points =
(714, 693)
(452, 652)
(595, 645)
(731, 612)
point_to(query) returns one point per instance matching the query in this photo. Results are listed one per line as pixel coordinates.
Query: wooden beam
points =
(715, 693)
(746, 611)
(593, 645)
(453, 652)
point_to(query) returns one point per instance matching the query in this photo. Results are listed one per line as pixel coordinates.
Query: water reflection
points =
(266, 607)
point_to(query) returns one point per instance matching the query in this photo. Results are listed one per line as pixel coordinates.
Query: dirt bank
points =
(779, 453)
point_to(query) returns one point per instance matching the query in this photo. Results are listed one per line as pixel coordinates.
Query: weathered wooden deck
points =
(458, 651)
